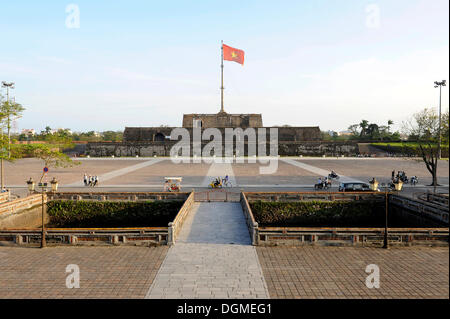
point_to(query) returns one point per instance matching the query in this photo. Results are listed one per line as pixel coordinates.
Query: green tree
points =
(363, 125)
(50, 156)
(389, 124)
(444, 128)
(424, 127)
(10, 111)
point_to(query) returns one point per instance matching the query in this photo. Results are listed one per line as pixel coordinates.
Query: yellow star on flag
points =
(233, 55)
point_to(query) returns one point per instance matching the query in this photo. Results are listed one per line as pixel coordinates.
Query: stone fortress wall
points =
(155, 141)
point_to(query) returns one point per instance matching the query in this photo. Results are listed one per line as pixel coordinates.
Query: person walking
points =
(95, 180)
(85, 179)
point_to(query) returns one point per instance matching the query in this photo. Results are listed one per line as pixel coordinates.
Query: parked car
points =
(354, 187)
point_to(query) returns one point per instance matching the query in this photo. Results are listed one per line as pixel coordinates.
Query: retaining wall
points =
(297, 236)
(175, 226)
(162, 148)
(95, 236)
(4, 196)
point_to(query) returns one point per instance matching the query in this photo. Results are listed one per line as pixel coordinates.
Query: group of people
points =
(91, 180)
(401, 176)
(219, 182)
(325, 182)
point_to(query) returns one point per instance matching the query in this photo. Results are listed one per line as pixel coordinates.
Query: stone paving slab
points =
(204, 264)
(105, 272)
(215, 223)
(193, 270)
(339, 272)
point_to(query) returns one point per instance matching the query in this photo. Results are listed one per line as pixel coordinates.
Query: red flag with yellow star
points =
(232, 54)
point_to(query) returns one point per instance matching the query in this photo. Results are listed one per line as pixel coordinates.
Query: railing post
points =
(255, 237)
(170, 239)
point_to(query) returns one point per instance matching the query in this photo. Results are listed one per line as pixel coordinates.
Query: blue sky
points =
(145, 63)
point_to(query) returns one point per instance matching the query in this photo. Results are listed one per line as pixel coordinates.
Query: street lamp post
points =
(43, 187)
(8, 86)
(385, 241)
(440, 85)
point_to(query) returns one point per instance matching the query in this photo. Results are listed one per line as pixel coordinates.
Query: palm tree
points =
(363, 125)
(390, 122)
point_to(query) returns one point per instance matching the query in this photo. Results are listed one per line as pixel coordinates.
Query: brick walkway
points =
(339, 272)
(212, 258)
(105, 272)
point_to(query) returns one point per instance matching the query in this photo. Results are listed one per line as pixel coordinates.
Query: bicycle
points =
(226, 183)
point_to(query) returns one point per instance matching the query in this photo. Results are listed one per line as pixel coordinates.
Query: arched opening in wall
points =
(159, 137)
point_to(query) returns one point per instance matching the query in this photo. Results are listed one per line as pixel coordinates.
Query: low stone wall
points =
(148, 236)
(296, 236)
(119, 196)
(162, 148)
(4, 197)
(249, 219)
(422, 209)
(175, 226)
(22, 212)
(312, 196)
(439, 199)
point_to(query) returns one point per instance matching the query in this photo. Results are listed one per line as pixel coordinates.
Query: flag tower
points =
(229, 54)
(221, 86)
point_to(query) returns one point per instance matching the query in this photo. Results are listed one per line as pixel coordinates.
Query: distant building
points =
(345, 133)
(56, 130)
(30, 131)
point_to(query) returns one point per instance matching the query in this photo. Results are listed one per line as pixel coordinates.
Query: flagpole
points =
(221, 87)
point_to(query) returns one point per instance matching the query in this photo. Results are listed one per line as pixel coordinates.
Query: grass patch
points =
(319, 214)
(407, 148)
(87, 214)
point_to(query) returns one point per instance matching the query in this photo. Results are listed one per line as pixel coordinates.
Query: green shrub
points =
(80, 214)
(319, 214)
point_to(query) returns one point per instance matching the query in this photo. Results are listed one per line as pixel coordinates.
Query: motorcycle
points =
(217, 183)
(322, 185)
(333, 176)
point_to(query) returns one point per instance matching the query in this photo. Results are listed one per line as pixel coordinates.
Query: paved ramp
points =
(212, 258)
(220, 167)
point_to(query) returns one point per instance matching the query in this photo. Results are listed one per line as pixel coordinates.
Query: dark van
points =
(354, 187)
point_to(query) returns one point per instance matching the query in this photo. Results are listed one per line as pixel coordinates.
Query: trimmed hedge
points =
(87, 214)
(319, 214)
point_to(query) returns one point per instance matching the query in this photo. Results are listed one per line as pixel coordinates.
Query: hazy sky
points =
(145, 63)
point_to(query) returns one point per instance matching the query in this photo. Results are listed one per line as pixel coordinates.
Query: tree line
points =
(91, 136)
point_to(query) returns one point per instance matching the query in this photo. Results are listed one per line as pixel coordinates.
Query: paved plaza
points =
(304, 272)
(339, 272)
(291, 174)
(105, 272)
